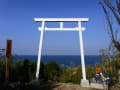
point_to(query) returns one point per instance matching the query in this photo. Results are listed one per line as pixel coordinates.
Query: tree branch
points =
(115, 42)
(108, 20)
(110, 6)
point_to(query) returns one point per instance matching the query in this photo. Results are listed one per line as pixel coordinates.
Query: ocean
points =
(64, 60)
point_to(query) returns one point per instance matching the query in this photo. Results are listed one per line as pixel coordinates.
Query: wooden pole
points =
(8, 56)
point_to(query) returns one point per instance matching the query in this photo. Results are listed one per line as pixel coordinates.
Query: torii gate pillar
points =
(84, 81)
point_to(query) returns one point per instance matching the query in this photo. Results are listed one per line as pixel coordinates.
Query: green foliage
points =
(71, 75)
(32, 70)
(111, 65)
(116, 68)
(117, 61)
(42, 74)
(20, 71)
(24, 71)
(90, 70)
(52, 71)
(2, 69)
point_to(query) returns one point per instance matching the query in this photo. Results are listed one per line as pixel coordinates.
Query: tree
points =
(110, 9)
(26, 70)
(22, 71)
(32, 70)
(41, 75)
(108, 6)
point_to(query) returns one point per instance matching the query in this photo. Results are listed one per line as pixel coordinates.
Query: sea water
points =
(67, 60)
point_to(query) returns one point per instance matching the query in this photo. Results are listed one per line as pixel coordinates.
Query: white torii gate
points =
(84, 81)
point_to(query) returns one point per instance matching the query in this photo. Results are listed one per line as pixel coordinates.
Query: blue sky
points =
(16, 23)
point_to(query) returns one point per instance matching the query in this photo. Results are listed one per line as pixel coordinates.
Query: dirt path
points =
(63, 86)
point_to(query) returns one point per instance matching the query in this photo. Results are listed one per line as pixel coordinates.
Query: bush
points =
(52, 71)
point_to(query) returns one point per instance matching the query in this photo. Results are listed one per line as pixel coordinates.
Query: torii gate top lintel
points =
(61, 19)
(61, 23)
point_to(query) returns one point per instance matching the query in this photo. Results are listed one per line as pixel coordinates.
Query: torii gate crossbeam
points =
(84, 81)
